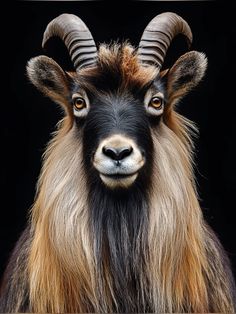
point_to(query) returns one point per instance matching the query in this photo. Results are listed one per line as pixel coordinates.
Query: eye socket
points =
(79, 103)
(156, 103)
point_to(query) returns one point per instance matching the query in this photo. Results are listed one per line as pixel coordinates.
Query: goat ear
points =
(49, 78)
(185, 74)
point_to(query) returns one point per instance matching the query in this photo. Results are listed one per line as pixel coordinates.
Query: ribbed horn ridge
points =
(158, 35)
(77, 38)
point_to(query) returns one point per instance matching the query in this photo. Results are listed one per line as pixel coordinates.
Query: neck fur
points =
(143, 251)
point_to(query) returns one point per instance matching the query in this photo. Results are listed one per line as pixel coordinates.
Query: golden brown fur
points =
(179, 239)
(61, 246)
(61, 265)
(182, 269)
(121, 62)
(177, 254)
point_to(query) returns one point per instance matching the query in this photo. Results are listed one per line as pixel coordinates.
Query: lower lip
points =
(118, 176)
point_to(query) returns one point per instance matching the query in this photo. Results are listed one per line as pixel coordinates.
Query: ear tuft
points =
(186, 73)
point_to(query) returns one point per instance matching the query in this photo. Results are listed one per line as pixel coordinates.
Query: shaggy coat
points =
(88, 248)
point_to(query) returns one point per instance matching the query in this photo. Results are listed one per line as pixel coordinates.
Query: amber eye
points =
(79, 103)
(156, 103)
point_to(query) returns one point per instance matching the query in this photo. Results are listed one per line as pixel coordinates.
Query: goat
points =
(116, 225)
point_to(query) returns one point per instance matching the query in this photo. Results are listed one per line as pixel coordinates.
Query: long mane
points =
(157, 255)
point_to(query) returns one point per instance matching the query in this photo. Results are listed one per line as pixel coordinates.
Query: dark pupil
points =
(79, 102)
(156, 101)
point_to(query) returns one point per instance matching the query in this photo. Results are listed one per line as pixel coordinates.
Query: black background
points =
(28, 118)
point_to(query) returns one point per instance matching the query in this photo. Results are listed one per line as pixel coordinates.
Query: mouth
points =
(118, 180)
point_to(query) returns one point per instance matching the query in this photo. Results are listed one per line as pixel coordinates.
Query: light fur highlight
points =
(61, 246)
(63, 270)
(151, 254)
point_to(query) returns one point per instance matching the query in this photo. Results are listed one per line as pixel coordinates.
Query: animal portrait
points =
(116, 225)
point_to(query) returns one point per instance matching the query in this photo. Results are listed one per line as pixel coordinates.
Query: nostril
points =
(110, 152)
(125, 152)
(117, 153)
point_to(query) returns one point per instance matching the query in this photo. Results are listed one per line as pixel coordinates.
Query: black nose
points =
(117, 153)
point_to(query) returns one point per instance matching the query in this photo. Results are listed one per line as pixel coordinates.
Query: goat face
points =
(117, 140)
(121, 143)
(117, 95)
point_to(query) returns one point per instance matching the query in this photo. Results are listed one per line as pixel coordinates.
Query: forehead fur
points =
(118, 68)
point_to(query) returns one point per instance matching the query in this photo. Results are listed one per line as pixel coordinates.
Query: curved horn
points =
(158, 35)
(77, 38)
